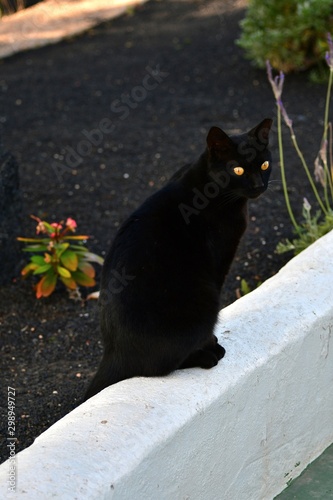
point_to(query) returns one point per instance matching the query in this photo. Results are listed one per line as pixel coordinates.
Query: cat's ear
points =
(260, 133)
(218, 141)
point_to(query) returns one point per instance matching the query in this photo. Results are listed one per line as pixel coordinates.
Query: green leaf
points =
(69, 260)
(83, 279)
(87, 269)
(63, 272)
(245, 287)
(92, 257)
(79, 248)
(34, 240)
(38, 259)
(82, 237)
(50, 229)
(43, 269)
(69, 282)
(35, 248)
(29, 268)
(60, 248)
(284, 246)
(46, 285)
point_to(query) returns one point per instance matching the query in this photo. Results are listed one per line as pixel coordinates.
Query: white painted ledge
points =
(237, 432)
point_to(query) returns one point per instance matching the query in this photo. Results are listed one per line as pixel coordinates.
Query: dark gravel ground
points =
(53, 98)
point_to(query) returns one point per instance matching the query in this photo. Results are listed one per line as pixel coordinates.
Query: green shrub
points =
(291, 34)
(311, 229)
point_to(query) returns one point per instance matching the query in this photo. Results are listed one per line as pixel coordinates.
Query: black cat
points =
(162, 278)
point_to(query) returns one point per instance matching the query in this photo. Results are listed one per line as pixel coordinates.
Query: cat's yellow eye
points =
(239, 170)
(265, 165)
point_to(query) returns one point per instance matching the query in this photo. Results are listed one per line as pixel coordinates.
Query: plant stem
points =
(327, 105)
(328, 171)
(331, 154)
(313, 186)
(283, 174)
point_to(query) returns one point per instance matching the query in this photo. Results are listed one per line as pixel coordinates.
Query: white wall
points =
(237, 432)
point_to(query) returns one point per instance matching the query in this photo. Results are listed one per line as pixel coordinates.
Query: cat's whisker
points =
(227, 198)
(269, 187)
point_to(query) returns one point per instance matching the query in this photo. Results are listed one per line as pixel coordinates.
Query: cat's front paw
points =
(219, 351)
(207, 359)
(204, 358)
(214, 347)
(210, 355)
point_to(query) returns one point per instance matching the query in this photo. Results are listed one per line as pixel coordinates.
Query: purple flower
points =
(306, 205)
(319, 172)
(321, 159)
(277, 83)
(277, 87)
(329, 54)
(323, 151)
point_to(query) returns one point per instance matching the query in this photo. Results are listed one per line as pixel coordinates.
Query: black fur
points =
(162, 278)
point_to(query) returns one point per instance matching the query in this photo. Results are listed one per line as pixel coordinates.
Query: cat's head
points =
(244, 160)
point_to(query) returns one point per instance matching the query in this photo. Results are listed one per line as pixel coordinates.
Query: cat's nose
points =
(257, 186)
(257, 182)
